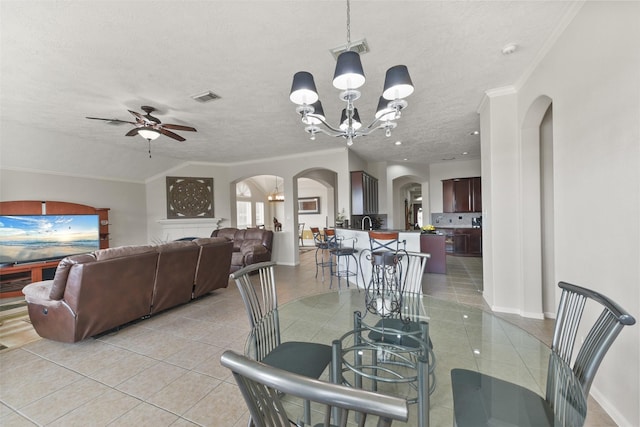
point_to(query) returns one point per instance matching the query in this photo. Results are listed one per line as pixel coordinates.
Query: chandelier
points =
(348, 77)
(276, 195)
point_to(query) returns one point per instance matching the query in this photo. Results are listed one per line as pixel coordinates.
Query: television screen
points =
(29, 238)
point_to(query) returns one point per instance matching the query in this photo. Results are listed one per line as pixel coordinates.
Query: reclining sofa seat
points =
(250, 246)
(94, 293)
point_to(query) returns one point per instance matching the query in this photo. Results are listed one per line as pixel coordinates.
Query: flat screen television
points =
(32, 238)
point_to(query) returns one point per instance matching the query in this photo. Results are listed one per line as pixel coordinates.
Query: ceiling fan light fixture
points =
(149, 134)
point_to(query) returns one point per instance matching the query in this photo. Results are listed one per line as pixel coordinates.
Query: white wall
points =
(225, 177)
(591, 76)
(311, 188)
(125, 199)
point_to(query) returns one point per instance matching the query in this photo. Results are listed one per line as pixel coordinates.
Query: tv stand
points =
(16, 276)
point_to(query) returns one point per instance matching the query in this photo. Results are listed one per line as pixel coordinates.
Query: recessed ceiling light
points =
(405, 159)
(464, 153)
(398, 143)
(509, 49)
(475, 132)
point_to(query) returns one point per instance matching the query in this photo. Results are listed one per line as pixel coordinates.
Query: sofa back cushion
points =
(265, 237)
(228, 232)
(62, 274)
(174, 274)
(122, 251)
(213, 265)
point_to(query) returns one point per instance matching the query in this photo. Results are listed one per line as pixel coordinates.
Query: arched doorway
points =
(537, 210)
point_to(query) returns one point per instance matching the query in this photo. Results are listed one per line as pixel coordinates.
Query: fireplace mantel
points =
(173, 229)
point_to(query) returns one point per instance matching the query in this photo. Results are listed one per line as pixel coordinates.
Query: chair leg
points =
(307, 412)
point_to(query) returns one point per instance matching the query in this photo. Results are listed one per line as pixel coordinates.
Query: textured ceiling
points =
(64, 60)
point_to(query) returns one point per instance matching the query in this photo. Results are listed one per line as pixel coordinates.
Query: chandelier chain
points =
(348, 25)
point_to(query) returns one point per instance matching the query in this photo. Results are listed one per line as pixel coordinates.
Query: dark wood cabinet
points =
(463, 241)
(434, 244)
(474, 246)
(462, 195)
(364, 193)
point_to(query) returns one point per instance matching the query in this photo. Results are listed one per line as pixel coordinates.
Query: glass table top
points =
(462, 336)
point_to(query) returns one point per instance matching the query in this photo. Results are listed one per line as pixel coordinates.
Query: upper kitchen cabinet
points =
(364, 193)
(462, 195)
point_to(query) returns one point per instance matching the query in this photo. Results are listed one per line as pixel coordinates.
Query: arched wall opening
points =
(536, 163)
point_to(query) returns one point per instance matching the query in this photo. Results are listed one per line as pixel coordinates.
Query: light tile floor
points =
(165, 370)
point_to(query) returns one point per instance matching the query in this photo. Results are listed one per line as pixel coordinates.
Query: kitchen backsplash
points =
(453, 219)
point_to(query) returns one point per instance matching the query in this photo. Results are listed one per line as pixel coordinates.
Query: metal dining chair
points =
(300, 357)
(483, 400)
(404, 327)
(263, 388)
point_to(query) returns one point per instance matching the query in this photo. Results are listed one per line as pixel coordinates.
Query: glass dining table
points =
(462, 337)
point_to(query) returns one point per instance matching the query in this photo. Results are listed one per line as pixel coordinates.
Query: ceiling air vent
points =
(206, 97)
(360, 46)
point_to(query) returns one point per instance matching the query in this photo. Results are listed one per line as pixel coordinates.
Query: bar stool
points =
(323, 243)
(384, 290)
(341, 255)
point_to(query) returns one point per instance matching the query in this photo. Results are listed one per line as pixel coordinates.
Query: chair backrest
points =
(262, 387)
(413, 266)
(596, 342)
(384, 241)
(261, 306)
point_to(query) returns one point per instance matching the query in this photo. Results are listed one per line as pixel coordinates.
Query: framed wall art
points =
(309, 205)
(189, 197)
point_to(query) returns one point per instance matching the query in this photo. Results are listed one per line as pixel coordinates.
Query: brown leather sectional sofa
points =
(250, 246)
(94, 293)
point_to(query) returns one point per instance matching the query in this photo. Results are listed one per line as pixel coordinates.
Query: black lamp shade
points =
(384, 112)
(397, 83)
(349, 73)
(317, 111)
(303, 89)
(355, 120)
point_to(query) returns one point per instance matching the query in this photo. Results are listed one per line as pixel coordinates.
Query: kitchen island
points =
(360, 241)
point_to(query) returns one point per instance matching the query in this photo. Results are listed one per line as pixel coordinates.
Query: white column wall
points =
(500, 195)
(591, 76)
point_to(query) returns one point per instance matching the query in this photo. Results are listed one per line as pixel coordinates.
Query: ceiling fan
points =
(148, 126)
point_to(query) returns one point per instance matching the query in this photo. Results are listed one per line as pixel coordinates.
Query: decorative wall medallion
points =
(189, 197)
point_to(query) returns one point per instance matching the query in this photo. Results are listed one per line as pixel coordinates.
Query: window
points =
(259, 213)
(243, 214)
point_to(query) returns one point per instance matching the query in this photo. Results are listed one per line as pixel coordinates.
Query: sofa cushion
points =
(62, 273)
(209, 240)
(253, 246)
(229, 233)
(175, 245)
(121, 251)
(38, 292)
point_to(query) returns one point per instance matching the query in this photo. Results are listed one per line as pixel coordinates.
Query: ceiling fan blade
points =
(171, 134)
(179, 127)
(111, 120)
(138, 116)
(132, 132)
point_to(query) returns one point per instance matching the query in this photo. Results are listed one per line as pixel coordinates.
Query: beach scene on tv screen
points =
(25, 238)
